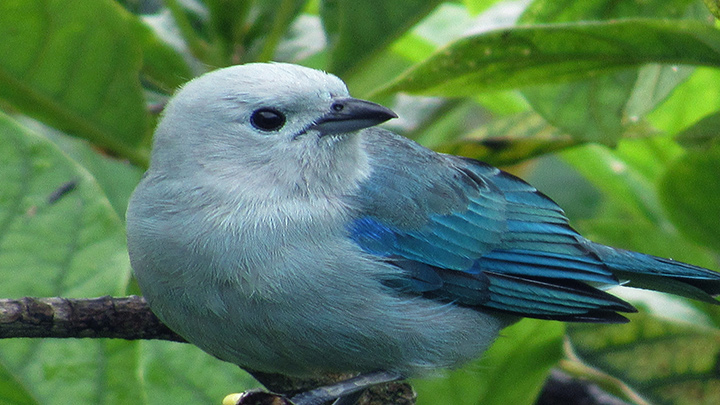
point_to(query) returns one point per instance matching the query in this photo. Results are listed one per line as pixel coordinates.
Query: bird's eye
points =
(267, 119)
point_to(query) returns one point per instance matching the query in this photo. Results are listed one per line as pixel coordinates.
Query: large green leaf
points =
(667, 362)
(162, 65)
(653, 86)
(178, 373)
(510, 140)
(676, 114)
(605, 108)
(59, 236)
(74, 65)
(117, 179)
(512, 371)
(69, 244)
(477, 6)
(619, 180)
(599, 108)
(359, 29)
(590, 110)
(690, 190)
(554, 11)
(526, 56)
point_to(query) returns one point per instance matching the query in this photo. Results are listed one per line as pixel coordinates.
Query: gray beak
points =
(350, 114)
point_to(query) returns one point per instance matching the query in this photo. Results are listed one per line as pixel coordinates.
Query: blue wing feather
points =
(469, 233)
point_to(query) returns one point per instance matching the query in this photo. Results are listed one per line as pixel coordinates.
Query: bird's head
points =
(271, 121)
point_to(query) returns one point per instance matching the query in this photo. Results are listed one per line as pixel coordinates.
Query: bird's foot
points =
(345, 392)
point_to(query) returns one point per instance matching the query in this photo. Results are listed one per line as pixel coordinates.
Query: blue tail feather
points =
(639, 270)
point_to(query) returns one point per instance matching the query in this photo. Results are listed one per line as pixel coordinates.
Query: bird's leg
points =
(347, 392)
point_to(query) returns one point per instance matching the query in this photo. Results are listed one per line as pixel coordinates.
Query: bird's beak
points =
(350, 114)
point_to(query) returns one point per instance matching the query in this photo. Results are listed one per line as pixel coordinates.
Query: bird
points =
(279, 228)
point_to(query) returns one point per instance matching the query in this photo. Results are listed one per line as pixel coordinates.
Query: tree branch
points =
(105, 317)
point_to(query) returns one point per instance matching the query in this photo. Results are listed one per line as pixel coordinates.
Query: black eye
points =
(267, 119)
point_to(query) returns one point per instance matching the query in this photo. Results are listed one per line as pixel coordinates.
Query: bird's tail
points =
(656, 273)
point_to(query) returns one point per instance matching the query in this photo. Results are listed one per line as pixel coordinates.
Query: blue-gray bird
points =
(279, 229)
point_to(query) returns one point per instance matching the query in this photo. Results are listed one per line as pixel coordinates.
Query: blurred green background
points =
(612, 108)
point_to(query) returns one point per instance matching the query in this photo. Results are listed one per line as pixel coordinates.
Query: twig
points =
(105, 317)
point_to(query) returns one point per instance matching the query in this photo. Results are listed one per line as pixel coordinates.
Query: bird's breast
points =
(261, 244)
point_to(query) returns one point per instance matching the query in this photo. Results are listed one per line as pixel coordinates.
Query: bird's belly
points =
(326, 328)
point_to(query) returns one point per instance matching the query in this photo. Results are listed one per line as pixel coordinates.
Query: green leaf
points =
(475, 7)
(227, 25)
(714, 7)
(690, 191)
(510, 140)
(178, 373)
(702, 134)
(246, 31)
(512, 371)
(117, 179)
(670, 363)
(384, 69)
(599, 108)
(556, 53)
(604, 109)
(11, 390)
(162, 65)
(676, 113)
(589, 110)
(555, 11)
(54, 243)
(73, 370)
(654, 84)
(69, 244)
(359, 29)
(617, 178)
(441, 122)
(271, 20)
(74, 65)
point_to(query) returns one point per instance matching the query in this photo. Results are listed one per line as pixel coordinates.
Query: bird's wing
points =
(469, 233)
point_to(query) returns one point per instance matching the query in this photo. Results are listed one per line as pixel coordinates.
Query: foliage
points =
(620, 100)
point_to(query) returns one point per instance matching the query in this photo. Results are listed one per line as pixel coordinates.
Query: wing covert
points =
(469, 233)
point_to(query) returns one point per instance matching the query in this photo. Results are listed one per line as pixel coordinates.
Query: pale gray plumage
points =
(325, 244)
